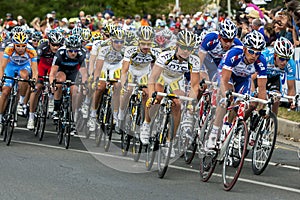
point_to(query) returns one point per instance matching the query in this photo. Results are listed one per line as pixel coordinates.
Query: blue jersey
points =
(234, 60)
(287, 73)
(211, 44)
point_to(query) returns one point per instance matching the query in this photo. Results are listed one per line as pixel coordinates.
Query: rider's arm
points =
(3, 66)
(261, 84)
(195, 79)
(99, 65)
(53, 73)
(125, 68)
(224, 85)
(34, 68)
(155, 73)
(92, 63)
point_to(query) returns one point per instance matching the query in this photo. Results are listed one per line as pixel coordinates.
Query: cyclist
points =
(215, 44)
(280, 67)
(109, 58)
(35, 39)
(236, 68)
(169, 69)
(67, 62)
(20, 57)
(137, 64)
(45, 52)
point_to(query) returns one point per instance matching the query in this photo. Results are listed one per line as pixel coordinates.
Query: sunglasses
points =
(227, 40)
(118, 41)
(186, 48)
(55, 45)
(252, 52)
(34, 40)
(148, 44)
(282, 59)
(21, 45)
(73, 50)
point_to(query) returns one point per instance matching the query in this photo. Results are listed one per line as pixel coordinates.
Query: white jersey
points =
(138, 60)
(97, 46)
(173, 69)
(109, 55)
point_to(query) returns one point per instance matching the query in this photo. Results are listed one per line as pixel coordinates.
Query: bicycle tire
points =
(208, 160)
(98, 136)
(137, 144)
(11, 120)
(108, 128)
(126, 130)
(5, 120)
(43, 118)
(37, 121)
(152, 147)
(60, 131)
(235, 155)
(67, 136)
(162, 165)
(263, 149)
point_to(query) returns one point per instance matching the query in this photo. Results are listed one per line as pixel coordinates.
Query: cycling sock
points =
(31, 115)
(21, 101)
(93, 113)
(121, 114)
(56, 105)
(87, 100)
(1, 118)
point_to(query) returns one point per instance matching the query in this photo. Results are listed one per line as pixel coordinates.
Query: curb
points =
(287, 128)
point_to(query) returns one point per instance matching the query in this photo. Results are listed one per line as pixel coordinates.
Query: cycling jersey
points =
(211, 45)
(272, 71)
(18, 62)
(173, 70)
(96, 46)
(45, 59)
(241, 72)
(67, 65)
(4, 44)
(112, 61)
(277, 76)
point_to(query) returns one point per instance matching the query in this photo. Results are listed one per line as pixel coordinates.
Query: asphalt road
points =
(31, 169)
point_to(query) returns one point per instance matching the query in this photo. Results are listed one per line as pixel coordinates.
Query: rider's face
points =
(117, 44)
(20, 48)
(184, 51)
(145, 45)
(72, 53)
(54, 47)
(251, 55)
(226, 43)
(280, 61)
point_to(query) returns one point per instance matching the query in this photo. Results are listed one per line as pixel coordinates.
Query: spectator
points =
(35, 23)
(144, 21)
(108, 11)
(137, 22)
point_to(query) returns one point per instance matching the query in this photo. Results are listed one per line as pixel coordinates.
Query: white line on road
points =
(270, 185)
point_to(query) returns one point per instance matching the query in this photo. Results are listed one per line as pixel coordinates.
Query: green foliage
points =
(289, 115)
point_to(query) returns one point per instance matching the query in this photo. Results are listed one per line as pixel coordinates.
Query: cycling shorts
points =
(174, 84)
(10, 70)
(114, 70)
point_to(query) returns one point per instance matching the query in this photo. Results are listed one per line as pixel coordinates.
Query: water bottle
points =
(225, 129)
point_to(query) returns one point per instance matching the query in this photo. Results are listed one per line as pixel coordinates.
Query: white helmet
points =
(283, 47)
(255, 40)
(228, 29)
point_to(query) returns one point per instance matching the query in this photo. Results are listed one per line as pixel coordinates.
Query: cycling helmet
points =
(160, 39)
(130, 39)
(28, 32)
(20, 38)
(109, 28)
(77, 31)
(198, 39)
(227, 29)
(17, 29)
(73, 42)
(86, 34)
(59, 29)
(202, 36)
(118, 34)
(55, 37)
(97, 36)
(146, 33)
(186, 38)
(255, 40)
(37, 35)
(167, 33)
(283, 47)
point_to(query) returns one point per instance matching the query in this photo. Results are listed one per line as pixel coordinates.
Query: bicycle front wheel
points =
(10, 121)
(67, 136)
(108, 128)
(234, 155)
(264, 144)
(43, 117)
(165, 148)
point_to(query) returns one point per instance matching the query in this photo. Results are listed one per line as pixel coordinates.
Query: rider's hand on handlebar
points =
(150, 101)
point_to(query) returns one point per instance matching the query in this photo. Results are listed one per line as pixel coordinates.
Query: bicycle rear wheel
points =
(208, 159)
(126, 130)
(108, 128)
(137, 144)
(264, 144)
(43, 117)
(164, 150)
(234, 155)
(10, 123)
(67, 136)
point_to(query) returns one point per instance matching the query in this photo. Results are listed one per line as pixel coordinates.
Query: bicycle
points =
(9, 117)
(42, 109)
(161, 130)
(105, 121)
(65, 121)
(134, 117)
(203, 110)
(231, 146)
